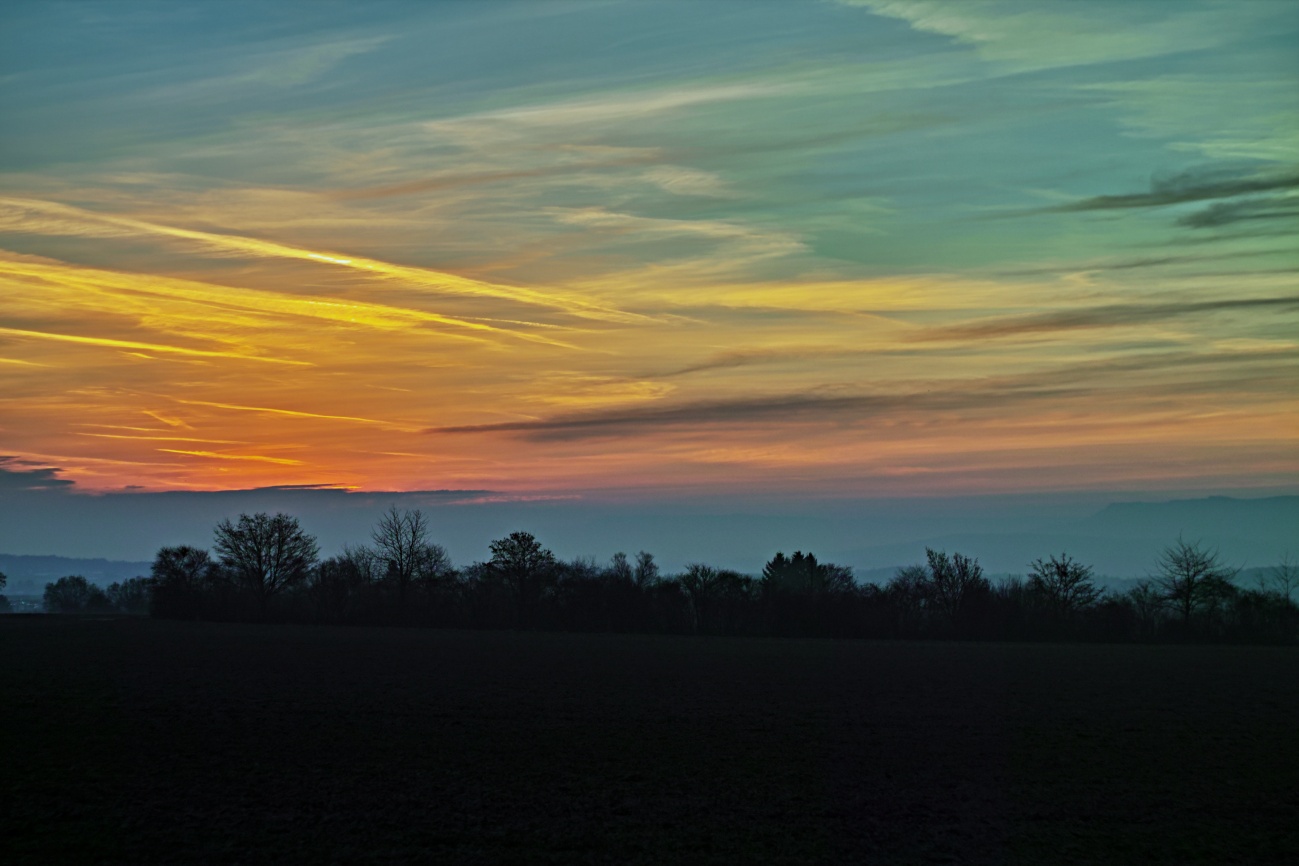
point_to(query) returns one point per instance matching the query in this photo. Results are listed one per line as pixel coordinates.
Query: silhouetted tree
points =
(523, 565)
(132, 595)
(1262, 615)
(700, 585)
(404, 577)
(736, 597)
(75, 594)
(955, 583)
(265, 555)
(647, 570)
(908, 590)
(181, 575)
(624, 599)
(338, 584)
(1146, 601)
(1283, 578)
(620, 568)
(717, 597)
(1064, 585)
(1190, 578)
(4, 600)
(804, 575)
(803, 596)
(1013, 617)
(409, 557)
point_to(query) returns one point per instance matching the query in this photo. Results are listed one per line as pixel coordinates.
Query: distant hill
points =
(29, 574)
(1272, 518)
(1122, 540)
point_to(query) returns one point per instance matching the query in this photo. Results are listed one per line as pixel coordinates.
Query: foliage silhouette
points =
(181, 577)
(1192, 580)
(265, 555)
(75, 594)
(131, 596)
(1282, 578)
(1064, 586)
(408, 556)
(404, 577)
(526, 568)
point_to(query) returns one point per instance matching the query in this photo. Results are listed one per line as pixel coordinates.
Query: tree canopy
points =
(265, 554)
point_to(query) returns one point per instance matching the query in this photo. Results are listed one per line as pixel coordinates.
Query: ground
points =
(130, 740)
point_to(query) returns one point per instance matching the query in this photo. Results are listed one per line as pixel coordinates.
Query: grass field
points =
(130, 740)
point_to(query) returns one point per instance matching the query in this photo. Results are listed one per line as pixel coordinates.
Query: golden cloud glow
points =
(51, 218)
(214, 455)
(131, 344)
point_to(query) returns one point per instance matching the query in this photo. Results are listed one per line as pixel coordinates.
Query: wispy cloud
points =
(1106, 316)
(56, 219)
(1052, 33)
(109, 343)
(672, 250)
(292, 413)
(598, 110)
(276, 65)
(1189, 186)
(775, 355)
(1250, 210)
(785, 409)
(216, 455)
(934, 399)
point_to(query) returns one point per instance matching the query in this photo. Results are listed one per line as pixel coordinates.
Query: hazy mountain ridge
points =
(1120, 541)
(1265, 518)
(29, 574)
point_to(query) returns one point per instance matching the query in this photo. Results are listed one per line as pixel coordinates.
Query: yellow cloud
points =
(281, 461)
(42, 217)
(264, 410)
(151, 347)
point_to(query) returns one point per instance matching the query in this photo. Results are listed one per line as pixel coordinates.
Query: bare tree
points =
(1191, 577)
(700, 583)
(908, 590)
(1065, 584)
(337, 584)
(363, 562)
(182, 567)
(619, 568)
(264, 554)
(647, 570)
(1283, 577)
(402, 545)
(1146, 600)
(954, 581)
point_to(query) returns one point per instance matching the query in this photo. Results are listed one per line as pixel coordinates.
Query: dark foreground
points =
(131, 741)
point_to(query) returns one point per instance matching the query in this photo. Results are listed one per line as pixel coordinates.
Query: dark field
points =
(131, 740)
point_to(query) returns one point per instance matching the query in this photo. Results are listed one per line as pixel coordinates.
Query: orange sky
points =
(298, 265)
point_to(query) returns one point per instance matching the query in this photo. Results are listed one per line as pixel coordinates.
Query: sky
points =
(619, 253)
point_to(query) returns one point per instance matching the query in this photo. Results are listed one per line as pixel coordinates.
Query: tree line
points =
(266, 568)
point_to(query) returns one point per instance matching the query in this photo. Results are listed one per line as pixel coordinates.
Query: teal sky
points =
(613, 249)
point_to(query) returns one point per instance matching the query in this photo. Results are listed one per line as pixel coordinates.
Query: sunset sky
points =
(621, 251)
